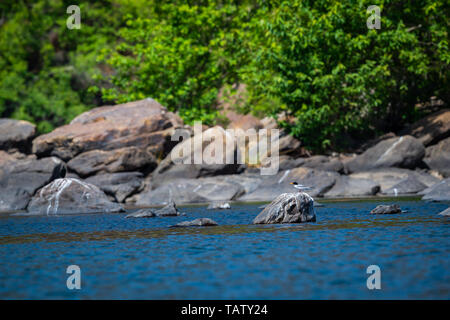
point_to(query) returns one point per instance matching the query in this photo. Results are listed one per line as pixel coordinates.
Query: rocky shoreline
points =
(124, 152)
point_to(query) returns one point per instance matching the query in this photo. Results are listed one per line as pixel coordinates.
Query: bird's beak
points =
(291, 183)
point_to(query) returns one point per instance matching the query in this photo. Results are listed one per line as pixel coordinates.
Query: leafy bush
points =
(337, 77)
(314, 61)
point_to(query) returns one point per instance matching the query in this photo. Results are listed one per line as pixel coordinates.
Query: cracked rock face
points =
(288, 208)
(71, 196)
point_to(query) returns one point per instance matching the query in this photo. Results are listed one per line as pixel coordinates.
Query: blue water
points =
(144, 259)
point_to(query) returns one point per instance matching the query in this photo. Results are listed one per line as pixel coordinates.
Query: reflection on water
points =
(145, 258)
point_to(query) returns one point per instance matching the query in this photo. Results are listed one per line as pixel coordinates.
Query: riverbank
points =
(127, 153)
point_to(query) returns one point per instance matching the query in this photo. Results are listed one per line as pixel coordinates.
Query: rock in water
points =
(168, 211)
(219, 205)
(445, 213)
(288, 208)
(71, 196)
(386, 209)
(143, 213)
(202, 222)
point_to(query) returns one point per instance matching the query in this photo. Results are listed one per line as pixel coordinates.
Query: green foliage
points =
(314, 61)
(335, 76)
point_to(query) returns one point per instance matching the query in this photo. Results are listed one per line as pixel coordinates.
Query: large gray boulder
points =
(111, 161)
(179, 164)
(404, 152)
(188, 191)
(346, 186)
(16, 134)
(120, 185)
(437, 157)
(71, 196)
(438, 192)
(445, 213)
(271, 186)
(409, 185)
(144, 124)
(432, 128)
(201, 222)
(388, 178)
(288, 208)
(20, 178)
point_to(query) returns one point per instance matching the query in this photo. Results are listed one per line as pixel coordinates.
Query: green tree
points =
(337, 77)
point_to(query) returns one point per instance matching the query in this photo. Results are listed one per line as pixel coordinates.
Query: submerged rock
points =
(288, 208)
(432, 128)
(143, 213)
(386, 209)
(71, 196)
(445, 213)
(169, 210)
(219, 205)
(202, 222)
(438, 192)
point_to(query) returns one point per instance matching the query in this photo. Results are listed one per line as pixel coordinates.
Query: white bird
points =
(300, 187)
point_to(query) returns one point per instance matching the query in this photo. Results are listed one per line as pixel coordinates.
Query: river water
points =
(145, 259)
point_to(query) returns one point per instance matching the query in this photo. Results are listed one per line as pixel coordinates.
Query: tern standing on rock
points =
(301, 188)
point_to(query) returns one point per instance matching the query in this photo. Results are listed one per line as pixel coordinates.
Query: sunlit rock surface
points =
(71, 196)
(288, 208)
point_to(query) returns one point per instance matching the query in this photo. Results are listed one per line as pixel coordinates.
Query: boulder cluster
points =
(116, 155)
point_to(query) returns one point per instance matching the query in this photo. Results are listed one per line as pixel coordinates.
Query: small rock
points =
(386, 209)
(169, 210)
(202, 222)
(288, 208)
(219, 205)
(404, 151)
(445, 213)
(143, 213)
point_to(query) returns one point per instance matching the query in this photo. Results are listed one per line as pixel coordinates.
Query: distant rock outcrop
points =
(20, 178)
(71, 196)
(271, 186)
(120, 185)
(288, 208)
(432, 128)
(438, 192)
(445, 213)
(346, 186)
(144, 124)
(16, 134)
(386, 209)
(437, 157)
(218, 205)
(404, 152)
